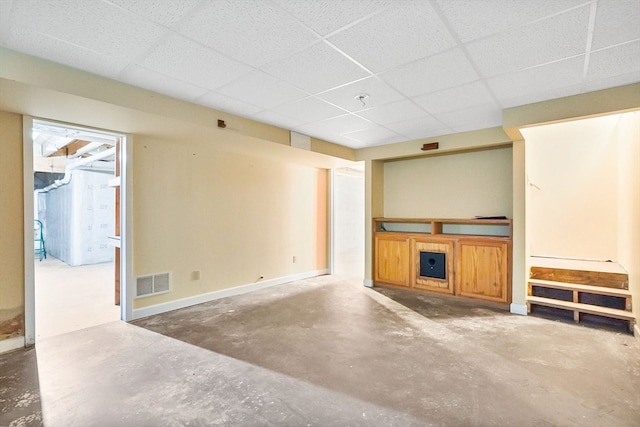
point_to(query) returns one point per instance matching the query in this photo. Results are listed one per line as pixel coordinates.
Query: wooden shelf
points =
(600, 290)
(582, 308)
(478, 259)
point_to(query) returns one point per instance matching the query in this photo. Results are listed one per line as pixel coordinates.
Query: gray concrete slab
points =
(329, 352)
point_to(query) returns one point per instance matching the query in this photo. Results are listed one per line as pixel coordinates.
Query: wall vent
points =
(153, 284)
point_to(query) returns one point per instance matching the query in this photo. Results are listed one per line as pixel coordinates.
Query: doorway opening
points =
(76, 227)
(348, 221)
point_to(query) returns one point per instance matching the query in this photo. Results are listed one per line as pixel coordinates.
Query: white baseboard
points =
(139, 313)
(368, 283)
(518, 309)
(11, 344)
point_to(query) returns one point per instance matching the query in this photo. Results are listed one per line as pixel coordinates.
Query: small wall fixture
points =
(221, 124)
(430, 146)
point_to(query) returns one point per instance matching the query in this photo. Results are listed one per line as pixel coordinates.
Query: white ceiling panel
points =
(616, 22)
(167, 13)
(347, 96)
(253, 32)
(474, 19)
(47, 47)
(230, 105)
(429, 67)
(337, 125)
(394, 112)
(317, 69)
(472, 118)
(429, 75)
(91, 24)
(556, 38)
(276, 119)
(408, 31)
(141, 77)
(309, 110)
(326, 17)
(420, 127)
(455, 98)
(375, 136)
(615, 61)
(262, 89)
(189, 61)
(538, 83)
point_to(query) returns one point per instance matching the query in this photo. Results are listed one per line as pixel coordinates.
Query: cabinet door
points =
(392, 259)
(433, 284)
(483, 270)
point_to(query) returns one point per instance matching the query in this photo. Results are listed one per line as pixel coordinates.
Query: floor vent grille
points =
(153, 284)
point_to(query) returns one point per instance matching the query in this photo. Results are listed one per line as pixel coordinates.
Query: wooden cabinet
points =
(476, 252)
(483, 269)
(392, 262)
(445, 285)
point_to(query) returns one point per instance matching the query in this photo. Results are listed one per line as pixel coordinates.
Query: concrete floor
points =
(72, 298)
(329, 352)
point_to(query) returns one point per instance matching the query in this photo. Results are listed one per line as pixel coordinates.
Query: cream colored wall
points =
(233, 217)
(458, 185)
(204, 198)
(628, 139)
(11, 227)
(573, 189)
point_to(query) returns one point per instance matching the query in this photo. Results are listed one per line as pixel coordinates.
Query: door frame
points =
(126, 224)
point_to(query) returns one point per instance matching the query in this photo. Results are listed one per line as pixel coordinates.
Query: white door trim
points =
(126, 226)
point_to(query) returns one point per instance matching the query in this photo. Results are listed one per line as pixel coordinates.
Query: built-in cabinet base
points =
(474, 266)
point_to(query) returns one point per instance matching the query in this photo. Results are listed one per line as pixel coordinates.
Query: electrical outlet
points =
(195, 275)
(294, 259)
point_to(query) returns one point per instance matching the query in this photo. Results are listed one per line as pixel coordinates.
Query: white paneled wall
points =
(78, 218)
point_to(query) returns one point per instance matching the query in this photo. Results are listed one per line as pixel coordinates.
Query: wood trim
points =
(580, 277)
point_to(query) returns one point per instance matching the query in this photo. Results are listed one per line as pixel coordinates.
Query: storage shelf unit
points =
(477, 255)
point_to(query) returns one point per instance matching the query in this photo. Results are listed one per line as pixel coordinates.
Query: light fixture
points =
(362, 97)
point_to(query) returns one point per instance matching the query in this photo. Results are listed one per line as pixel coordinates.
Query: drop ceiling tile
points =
(44, 46)
(406, 32)
(617, 21)
(615, 61)
(394, 112)
(442, 71)
(325, 17)
(316, 69)
(455, 98)
(552, 39)
(262, 89)
(420, 127)
(375, 136)
(473, 19)
(138, 76)
(221, 102)
(276, 119)
(345, 96)
(621, 80)
(538, 83)
(166, 13)
(253, 32)
(95, 26)
(337, 125)
(479, 117)
(190, 62)
(308, 110)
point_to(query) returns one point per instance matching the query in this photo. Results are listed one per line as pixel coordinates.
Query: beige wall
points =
(204, 198)
(231, 216)
(11, 227)
(573, 189)
(458, 185)
(628, 138)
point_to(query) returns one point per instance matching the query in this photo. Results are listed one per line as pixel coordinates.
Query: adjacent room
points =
(319, 213)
